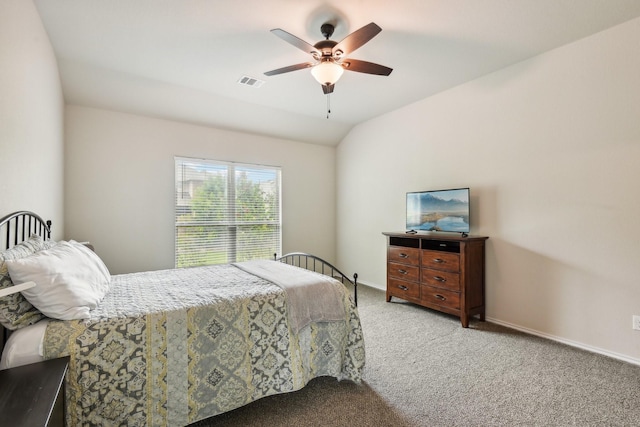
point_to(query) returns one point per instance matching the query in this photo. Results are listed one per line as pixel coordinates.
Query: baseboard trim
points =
(571, 343)
(374, 286)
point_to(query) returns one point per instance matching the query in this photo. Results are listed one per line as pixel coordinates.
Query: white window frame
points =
(220, 236)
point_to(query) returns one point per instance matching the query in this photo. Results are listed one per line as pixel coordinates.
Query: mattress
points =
(175, 346)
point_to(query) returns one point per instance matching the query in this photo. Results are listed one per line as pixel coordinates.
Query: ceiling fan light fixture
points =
(327, 72)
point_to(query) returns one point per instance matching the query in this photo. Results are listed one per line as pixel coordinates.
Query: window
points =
(225, 212)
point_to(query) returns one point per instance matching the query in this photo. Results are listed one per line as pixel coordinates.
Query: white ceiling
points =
(181, 59)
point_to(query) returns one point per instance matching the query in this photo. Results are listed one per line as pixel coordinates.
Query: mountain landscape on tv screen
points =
(433, 203)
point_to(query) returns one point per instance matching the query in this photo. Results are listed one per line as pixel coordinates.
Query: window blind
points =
(225, 212)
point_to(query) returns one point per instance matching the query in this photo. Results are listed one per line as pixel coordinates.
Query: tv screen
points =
(441, 210)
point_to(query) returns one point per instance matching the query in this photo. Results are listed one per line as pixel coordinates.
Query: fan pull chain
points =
(328, 105)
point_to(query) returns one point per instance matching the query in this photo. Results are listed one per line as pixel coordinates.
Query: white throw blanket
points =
(312, 297)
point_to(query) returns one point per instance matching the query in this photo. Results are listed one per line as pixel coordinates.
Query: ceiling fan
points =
(329, 57)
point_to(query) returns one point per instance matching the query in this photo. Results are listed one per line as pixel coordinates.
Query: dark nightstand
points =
(33, 395)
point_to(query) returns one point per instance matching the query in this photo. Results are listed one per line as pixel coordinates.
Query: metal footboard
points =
(317, 264)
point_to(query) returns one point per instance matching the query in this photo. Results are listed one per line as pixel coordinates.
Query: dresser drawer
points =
(403, 272)
(441, 279)
(403, 255)
(441, 260)
(441, 297)
(402, 289)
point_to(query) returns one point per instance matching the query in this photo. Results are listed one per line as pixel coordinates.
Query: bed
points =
(173, 347)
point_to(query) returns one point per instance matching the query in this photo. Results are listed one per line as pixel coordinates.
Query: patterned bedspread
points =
(175, 346)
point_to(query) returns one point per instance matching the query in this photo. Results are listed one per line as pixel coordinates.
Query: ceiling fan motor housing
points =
(325, 47)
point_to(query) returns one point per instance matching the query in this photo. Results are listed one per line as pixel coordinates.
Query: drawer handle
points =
(403, 256)
(439, 279)
(404, 288)
(438, 260)
(401, 271)
(440, 297)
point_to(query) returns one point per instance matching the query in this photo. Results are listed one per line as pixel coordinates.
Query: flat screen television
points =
(440, 210)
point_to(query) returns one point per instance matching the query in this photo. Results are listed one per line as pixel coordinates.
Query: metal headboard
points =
(15, 228)
(19, 226)
(317, 264)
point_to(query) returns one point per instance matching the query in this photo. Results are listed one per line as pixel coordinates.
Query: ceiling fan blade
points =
(297, 42)
(356, 39)
(365, 67)
(289, 68)
(328, 88)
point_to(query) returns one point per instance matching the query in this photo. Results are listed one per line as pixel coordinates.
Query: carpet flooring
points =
(424, 369)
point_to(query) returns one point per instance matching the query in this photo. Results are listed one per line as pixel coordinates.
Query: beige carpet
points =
(424, 369)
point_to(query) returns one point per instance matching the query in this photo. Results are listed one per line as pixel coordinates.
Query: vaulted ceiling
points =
(182, 60)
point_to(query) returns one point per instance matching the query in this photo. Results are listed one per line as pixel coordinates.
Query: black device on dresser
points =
(444, 272)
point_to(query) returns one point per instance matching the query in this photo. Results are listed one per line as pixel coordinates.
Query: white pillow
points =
(70, 280)
(24, 346)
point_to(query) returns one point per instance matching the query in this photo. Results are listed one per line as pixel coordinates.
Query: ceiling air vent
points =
(250, 81)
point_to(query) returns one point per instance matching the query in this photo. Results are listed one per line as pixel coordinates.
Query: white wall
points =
(31, 117)
(551, 150)
(119, 184)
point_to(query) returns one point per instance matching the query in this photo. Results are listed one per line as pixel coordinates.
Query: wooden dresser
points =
(444, 272)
